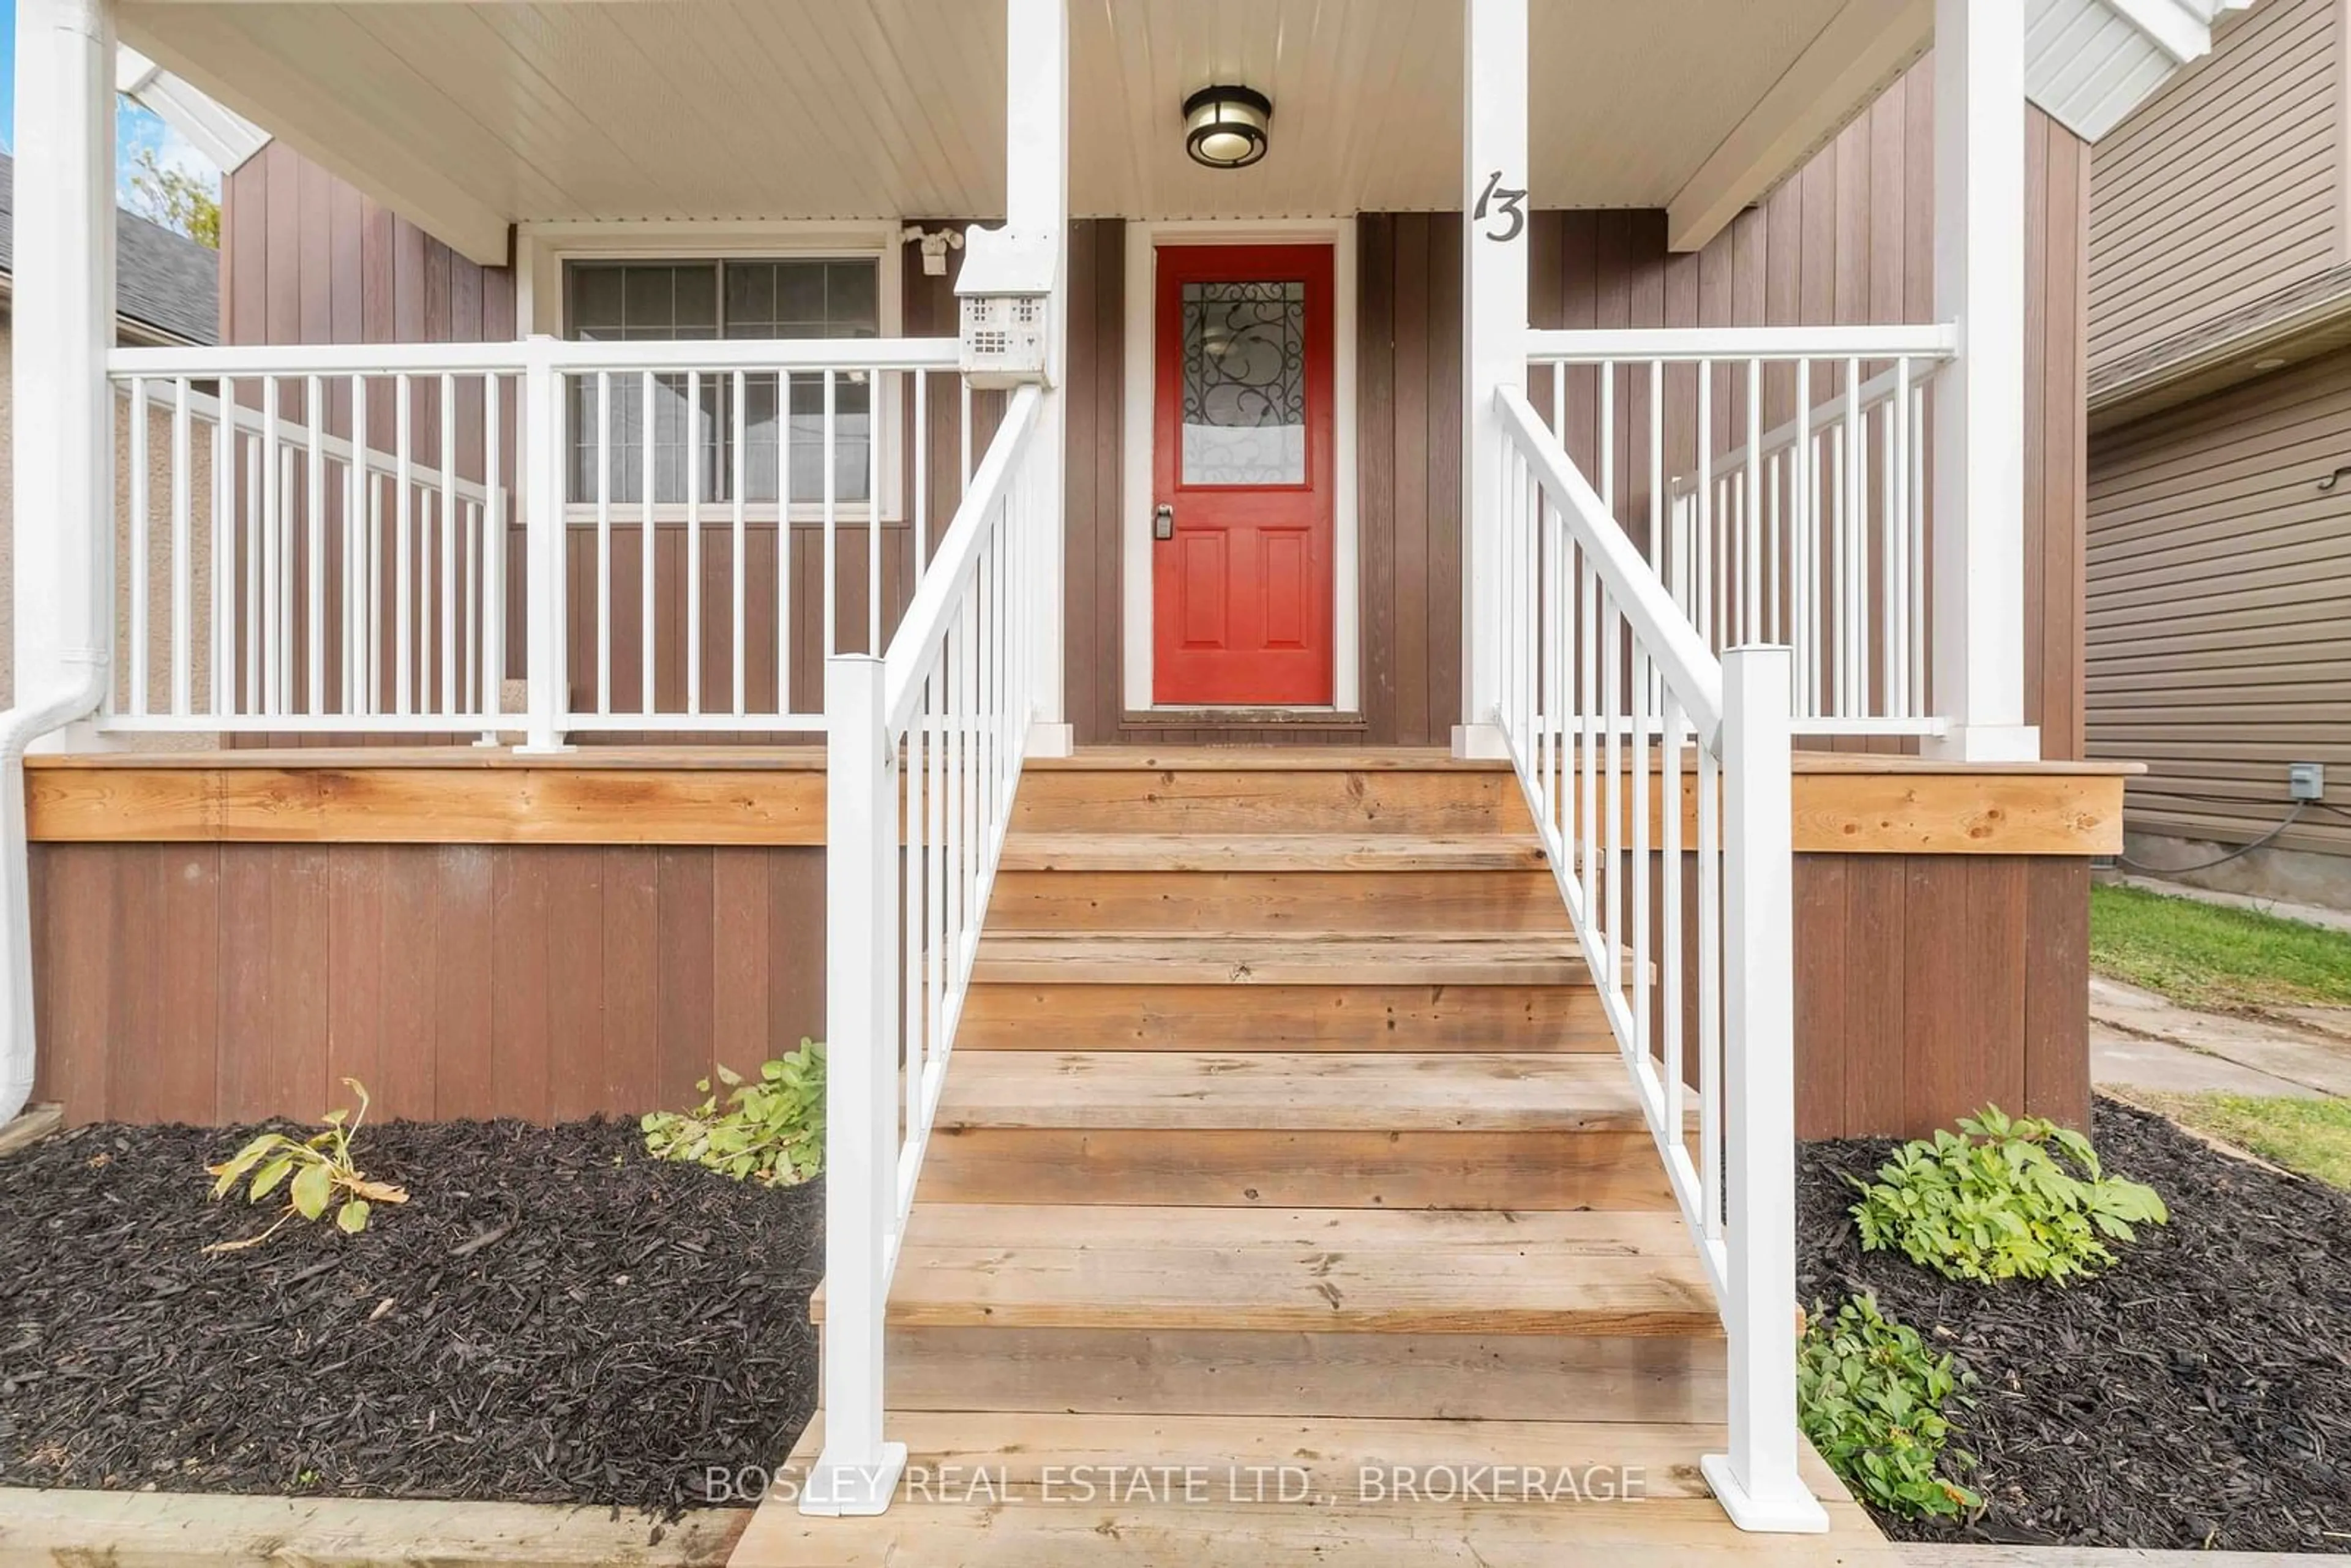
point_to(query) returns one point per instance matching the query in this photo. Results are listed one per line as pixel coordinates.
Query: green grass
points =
(2216, 955)
(2313, 1137)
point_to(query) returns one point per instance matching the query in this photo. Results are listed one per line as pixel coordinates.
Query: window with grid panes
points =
(693, 302)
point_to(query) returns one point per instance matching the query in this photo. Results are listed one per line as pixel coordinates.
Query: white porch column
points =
(1978, 421)
(1493, 333)
(63, 412)
(1037, 201)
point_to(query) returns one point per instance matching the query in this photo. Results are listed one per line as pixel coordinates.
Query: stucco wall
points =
(159, 538)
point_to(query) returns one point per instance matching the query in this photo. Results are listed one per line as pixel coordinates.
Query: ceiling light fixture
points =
(1225, 127)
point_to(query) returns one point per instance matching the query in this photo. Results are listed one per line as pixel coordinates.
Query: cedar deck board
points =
(1283, 1018)
(724, 795)
(1364, 1168)
(1204, 958)
(1332, 1270)
(1222, 1372)
(1457, 1091)
(1268, 852)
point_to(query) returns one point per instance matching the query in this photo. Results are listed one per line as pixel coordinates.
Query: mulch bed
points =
(2196, 1396)
(553, 1317)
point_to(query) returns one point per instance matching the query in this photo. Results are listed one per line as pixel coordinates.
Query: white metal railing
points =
(747, 445)
(365, 538)
(1776, 481)
(303, 543)
(925, 750)
(1618, 717)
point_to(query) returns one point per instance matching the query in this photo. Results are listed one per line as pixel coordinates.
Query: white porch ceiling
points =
(470, 116)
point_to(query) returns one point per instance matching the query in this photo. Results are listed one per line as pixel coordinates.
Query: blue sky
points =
(134, 127)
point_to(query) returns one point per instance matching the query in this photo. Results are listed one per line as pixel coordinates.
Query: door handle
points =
(1163, 522)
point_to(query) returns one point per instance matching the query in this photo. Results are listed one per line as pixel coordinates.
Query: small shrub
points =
(2002, 1199)
(772, 1132)
(321, 1168)
(1870, 1395)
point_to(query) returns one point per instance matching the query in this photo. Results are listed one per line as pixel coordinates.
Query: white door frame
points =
(1144, 236)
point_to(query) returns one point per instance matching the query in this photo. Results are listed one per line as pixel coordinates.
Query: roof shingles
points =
(163, 280)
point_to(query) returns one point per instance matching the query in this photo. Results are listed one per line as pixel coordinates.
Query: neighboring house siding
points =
(2220, 606)
(2225, 188)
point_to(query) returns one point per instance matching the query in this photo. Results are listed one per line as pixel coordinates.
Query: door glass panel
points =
(1244, 384)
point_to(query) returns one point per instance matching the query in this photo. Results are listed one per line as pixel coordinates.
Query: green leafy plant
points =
(1871, 1396)
(770, 1130)
(322, 1174)
(2003, 1198)
(179, 201)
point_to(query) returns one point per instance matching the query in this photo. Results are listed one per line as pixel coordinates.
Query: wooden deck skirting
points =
(220, 937)
(1845, 803)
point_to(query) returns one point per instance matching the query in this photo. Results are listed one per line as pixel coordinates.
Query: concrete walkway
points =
(2308, 913)
(2141, 1040)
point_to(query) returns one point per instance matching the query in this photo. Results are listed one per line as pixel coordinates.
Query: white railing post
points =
(545, 540)
(1757, 1481)
(1979, 400)
(1037, 201)
(1495, 215)
(858, 1471)
(63, 412)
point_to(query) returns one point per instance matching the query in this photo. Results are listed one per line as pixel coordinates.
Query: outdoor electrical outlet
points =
(2305, 780)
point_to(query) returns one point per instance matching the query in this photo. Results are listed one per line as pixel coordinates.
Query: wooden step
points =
(1328, 1459)
(1308, 1313)
(1014, 1266)
(1274, 1130)
(1463, 1092)
(1162, 759)
(1161, 958)
(1317, 1374)
(1222, 1017)
(1355, 1169)
(1203, 852)
(1213, 797)
(1220, 1504)
(1330, 902)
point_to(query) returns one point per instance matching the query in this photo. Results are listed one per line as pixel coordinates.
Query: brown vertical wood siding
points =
(1849, 239)
(227, 982)
(2227, 186)
(556, 982)
(306, 259)
(1928, 986)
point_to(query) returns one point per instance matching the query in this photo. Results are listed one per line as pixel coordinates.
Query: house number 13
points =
(1512, 214)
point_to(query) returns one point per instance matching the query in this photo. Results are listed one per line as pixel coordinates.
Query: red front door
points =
(1241, 476)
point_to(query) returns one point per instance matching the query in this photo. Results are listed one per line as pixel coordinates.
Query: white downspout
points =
(20, 728)
(62, 433)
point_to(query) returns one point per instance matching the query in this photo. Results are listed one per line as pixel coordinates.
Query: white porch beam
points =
(1978, 658)
(1037, 201)
(1493, 334)
(1863, 46)
(328, 129)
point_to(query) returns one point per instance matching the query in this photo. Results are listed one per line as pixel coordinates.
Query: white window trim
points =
(1143, 239)
(543, 251)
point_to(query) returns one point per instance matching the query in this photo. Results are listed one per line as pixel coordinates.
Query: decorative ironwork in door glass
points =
(1244, 384)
